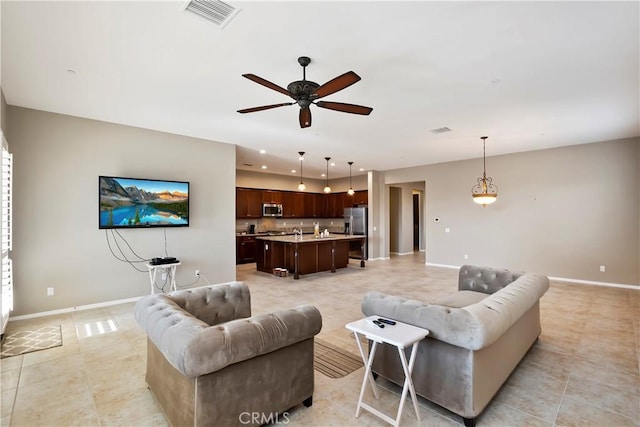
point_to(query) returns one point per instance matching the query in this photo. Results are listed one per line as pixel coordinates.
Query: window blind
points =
(5, 213)
(6, 174)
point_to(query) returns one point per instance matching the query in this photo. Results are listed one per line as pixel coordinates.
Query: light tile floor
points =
(583, 371)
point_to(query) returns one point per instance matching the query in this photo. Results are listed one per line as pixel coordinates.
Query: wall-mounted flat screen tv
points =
(142, 203)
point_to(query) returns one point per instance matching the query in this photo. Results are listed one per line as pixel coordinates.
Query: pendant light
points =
(350, 191)
(327, 189)
(301, 186)
(484, 192)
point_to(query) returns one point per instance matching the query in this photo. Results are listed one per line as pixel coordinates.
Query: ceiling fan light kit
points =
(484, 192)
(305, 93)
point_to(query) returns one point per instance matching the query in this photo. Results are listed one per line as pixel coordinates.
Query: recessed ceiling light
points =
(323, 175)
(293, 171)
(361, 169)
(333, 164)
(263, 166)
(263, 151)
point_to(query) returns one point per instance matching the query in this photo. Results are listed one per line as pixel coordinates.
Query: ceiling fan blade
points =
(345, 108)
(305, 117)
(267, 83)
(264, 107)
(339, 83)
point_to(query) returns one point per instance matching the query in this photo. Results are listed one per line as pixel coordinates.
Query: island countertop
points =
(308, 238)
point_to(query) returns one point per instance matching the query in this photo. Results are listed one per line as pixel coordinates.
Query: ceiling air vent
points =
(441, 130)
(215, 11)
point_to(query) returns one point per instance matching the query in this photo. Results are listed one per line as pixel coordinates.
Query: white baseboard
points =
(72, 309)
(402, 253)
(441, 265)
(592, 282)
(563, 279)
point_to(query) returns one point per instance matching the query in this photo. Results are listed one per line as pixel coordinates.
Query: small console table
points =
(399, 335)
(167, 268)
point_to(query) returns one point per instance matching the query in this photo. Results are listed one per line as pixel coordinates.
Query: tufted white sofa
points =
(478, 336)
(210, 363)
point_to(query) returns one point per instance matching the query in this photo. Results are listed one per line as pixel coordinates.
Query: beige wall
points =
(290, 183)
(3, 110)
(563, 212)
(57, 243)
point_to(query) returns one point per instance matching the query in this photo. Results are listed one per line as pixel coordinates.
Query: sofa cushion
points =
(460, 299)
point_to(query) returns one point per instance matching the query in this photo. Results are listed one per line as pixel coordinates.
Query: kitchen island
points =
(305, 254)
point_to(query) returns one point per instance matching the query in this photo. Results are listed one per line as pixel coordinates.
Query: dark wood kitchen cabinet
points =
(245, 249)
(313, 205)
(292, 204)
(248, 203)
(334, 205)
(271, 196)
(361, 197)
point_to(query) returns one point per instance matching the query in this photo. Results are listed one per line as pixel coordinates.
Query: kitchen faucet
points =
(297, 231)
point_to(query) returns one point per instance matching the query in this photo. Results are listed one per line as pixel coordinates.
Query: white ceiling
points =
(529, 75)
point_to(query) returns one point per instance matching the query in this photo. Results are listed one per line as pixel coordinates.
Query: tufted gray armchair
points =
(210, 363)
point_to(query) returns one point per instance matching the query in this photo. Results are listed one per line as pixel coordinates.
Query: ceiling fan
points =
(305, 92)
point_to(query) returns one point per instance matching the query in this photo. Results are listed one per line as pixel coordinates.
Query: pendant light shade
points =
(301, 186)
(350, 191)
(327, 189)
(484, 192)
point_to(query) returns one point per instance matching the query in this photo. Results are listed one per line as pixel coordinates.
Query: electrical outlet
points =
(301, 222)
(466, 256)
(164, 276)
(447, 230)
(197, 273)
(602, 269)
(49, 292)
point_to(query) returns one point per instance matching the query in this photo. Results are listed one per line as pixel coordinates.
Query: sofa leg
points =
(308, 401)
(469, 422)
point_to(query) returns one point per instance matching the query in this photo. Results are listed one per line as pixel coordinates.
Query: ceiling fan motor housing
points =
(301, 91)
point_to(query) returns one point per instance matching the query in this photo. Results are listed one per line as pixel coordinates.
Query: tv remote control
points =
(376, 323)
(387, 321)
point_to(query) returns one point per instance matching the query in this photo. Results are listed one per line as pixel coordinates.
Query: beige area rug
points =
(26, 341)
(334, 361)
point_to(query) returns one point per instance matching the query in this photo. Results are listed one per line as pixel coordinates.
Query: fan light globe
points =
(327, 189)
(302, 187)
(351, 192)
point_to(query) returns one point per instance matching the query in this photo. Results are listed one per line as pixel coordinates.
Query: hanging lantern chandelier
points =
(484, 192)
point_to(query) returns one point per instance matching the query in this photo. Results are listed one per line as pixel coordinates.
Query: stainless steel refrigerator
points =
(356, 223)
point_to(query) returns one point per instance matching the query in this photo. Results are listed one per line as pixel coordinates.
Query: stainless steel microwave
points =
(272, 209)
